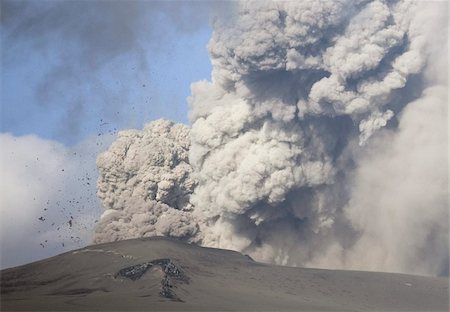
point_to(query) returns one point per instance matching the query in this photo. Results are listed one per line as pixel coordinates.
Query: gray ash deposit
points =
(165, 274)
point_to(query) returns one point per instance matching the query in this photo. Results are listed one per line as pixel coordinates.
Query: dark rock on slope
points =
(163, 274)
(171, 271)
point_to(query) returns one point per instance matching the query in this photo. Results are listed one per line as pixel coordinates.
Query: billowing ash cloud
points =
(312, 109)
(144, 184)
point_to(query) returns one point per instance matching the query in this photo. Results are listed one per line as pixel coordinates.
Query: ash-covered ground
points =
(164, 274)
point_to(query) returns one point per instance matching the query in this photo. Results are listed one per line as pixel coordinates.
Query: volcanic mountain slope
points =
(164, 274)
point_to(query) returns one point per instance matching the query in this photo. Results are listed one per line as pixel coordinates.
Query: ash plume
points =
(144, 184)
(312, 108)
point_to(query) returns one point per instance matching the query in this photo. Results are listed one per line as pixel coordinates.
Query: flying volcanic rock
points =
(301, 93)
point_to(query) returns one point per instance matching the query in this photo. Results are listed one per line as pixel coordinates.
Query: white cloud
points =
(42, 178)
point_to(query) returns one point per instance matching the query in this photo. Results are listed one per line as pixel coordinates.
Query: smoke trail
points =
(305, 100)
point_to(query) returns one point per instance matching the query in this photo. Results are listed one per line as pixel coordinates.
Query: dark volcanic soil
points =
(164, 274)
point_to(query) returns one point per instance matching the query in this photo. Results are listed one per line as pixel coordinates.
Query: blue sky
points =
(45, 92)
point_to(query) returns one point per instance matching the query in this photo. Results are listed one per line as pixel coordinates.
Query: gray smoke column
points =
(144, 184)
(298, 90)
(302, 145)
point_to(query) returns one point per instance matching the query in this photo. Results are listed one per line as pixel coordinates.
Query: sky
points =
(73, 73)
(83, 74)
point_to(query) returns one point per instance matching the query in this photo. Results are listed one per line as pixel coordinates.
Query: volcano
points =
(165, 274)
